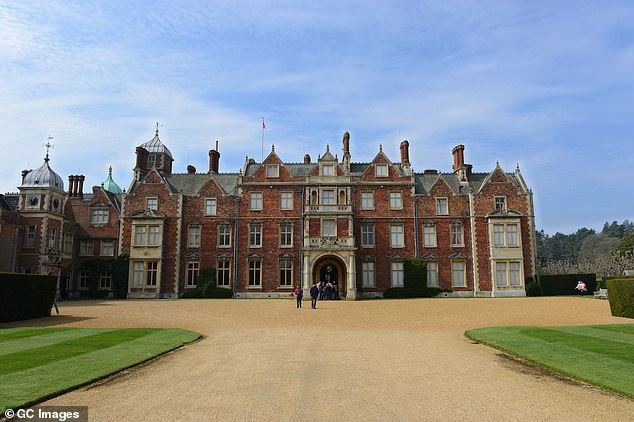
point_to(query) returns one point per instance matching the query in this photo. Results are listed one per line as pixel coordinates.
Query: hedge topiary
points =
(414, 282)
(26, 296)
(621, 297)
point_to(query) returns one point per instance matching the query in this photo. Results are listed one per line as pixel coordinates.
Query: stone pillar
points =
(306, 277)
(351, 294)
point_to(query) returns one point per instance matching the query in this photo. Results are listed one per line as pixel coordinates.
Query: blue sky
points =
(548, 85)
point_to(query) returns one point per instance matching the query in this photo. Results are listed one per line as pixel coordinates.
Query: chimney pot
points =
(405, 152)
(306, 159)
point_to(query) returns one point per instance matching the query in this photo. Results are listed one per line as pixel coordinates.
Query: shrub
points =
(206, 287)
(564, 284)
(414, 282)
(25, 296)
(120, 270)
(621, 297)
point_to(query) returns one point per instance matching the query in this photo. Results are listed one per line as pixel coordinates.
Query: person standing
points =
(314, 294)
(299, 293)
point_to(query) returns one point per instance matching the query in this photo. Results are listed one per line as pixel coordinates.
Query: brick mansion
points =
(276, 225)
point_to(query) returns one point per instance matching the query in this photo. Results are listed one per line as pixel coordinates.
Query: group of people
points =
(321, 291)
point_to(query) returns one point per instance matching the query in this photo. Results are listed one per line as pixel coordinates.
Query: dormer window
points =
(381, 170)
(272, 170)
(99, 216)
(328, 170)
(151, 158)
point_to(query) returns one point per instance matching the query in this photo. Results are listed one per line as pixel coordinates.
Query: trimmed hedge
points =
(26, 296)
(206, 287)
(621, 297)
(414, 282)
(564, 284)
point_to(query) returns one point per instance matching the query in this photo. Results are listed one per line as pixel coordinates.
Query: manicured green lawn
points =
(37, 363)
(599, 354)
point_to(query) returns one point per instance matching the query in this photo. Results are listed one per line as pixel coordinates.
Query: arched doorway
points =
(331, 269)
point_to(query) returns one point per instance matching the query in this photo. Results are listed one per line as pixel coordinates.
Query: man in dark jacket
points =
(314, 293)
(298, 294)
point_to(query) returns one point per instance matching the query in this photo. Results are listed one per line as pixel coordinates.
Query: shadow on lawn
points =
(50, 321)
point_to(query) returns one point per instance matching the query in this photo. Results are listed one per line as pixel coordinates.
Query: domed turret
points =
(110, 184)
(43, 177)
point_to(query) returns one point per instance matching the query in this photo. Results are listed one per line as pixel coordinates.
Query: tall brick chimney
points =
(141, 162)
(71, 181)
(214, 159)
(458, 157)
(405, 152)
(81, 186)
(346, 151)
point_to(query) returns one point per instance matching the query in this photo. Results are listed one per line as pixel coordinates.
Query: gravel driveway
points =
(369, 361)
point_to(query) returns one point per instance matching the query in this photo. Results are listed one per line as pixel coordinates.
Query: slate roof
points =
(12, 201)
(190, 184)
(155, 145)
(424, 181)
(43, 177)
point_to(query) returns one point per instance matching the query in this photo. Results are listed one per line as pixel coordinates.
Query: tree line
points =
(607, 253)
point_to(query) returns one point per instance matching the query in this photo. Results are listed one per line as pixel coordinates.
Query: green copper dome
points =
(110, 185)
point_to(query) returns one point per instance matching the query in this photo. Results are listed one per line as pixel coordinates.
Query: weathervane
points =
(157, 126)
(48, 146)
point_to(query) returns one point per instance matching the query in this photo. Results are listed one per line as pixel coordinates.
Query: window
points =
(500, 203)
(381, 170)
(367, 235)
(328, 197)
(396, 236)
(139, 235)
(255, 272)
(67, 245)
(286, 235)
(151, 158)
(224, 235)
(223, 273)
(151, 273)
(328, 228)
(255, 201)
(107, 248)
(152, 204)
(505, 235)
(147, 235)
(511, 235)
(432, 274)
(367, 200)
(211, 206)
(286, 273)
(286, 200)
(367, 274)
(52, 240)
(458, 274)
(441, 206)
(457, 235)
(397, 274)
(153, 235)
(429, 236)
(193, 269)
(272, 170)
(498, 234)
(138, 270)
(99, 216)
(327, 170)
(193, 240)
(83, 279)
(29, 236)
(105, 280)
(85, 248)
(396, 201)
(255, 235)
(507, 274)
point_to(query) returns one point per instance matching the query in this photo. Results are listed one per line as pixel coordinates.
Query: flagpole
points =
(262, 159)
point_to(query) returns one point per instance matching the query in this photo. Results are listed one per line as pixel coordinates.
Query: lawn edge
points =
(547, 368)
(143, 362)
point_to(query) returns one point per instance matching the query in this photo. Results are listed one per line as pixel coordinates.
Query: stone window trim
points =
(256, 231)
(30, 236)
(397, 237)
(328, 170)
(368, 230)
(223, 271)
(272, 171)
(287, 200)
(256, 201)
(254, 272)
(367, 200)
(396, 200)
(397, 273)
(99, 215)
(286, 272)
(499, 202)
(456, 234)
(224, 235)
(106, 247)
(512, 273)
(286, 237)
(432, 268)
(151, 203)
(381, 170)
(368, 274)
(210, 207)
(194, 235)
(192, 272)
(442, 205)
(458, 267)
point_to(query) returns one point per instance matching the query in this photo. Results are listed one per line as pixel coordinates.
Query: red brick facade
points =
(277, 225)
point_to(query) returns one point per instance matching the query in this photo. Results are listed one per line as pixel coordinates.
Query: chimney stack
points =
(70, 185)
(306, 159)
(214, 159)
(458, 157)
(191, 169)
(81, 186)
(346, 143)
(405, 152)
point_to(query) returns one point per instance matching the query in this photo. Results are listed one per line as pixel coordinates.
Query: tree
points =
(626, 244)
